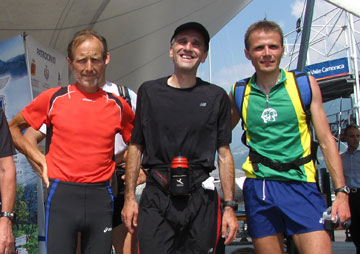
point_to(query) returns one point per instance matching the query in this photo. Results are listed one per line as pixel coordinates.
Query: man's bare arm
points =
(130, 210)
(34, 137)
(8, 195)
(329, 149)
(227, 178)
(18, 124)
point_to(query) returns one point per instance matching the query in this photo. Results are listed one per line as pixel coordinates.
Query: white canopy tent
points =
(348, 5)
(137, 31)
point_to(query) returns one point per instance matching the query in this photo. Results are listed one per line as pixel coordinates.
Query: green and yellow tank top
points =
(276, 128)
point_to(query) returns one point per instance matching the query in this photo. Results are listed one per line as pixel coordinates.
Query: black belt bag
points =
(177, 179)
(180, 182)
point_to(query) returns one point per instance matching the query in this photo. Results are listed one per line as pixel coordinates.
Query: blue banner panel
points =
(329, 69)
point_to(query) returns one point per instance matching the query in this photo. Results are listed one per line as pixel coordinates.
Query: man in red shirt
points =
(82, 121)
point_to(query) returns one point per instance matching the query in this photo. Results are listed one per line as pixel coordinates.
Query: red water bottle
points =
(180, 182)
(180, 162)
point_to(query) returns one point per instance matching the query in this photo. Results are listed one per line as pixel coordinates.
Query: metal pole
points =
(210, 64)
(354, 58)
(305, 36)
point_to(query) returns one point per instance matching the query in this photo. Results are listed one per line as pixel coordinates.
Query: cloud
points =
(321, 7)
(227, 76)
(297, 8)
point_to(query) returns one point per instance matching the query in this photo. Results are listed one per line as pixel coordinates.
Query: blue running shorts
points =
(288, 207)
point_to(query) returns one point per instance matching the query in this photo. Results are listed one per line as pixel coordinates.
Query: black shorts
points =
(118, 206)
(187, 224)
(79, 207)
(118, 188)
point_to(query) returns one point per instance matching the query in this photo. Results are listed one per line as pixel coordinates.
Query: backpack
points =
(303, 86)
(124, 93)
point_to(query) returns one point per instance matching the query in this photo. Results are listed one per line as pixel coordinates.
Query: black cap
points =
(193, 26)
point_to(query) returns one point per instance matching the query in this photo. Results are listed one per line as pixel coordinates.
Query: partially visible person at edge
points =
(351, 164)
(7, 187)
(181, 115)
(83, 120)
(123, 241)
(284, 200)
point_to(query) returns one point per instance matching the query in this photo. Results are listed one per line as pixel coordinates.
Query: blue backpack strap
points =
(304, 88)
(239, 91)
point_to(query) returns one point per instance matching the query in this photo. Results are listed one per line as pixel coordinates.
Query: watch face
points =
(10, 215)
(347, 189)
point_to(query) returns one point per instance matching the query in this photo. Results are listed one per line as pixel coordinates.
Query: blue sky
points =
(227, 47)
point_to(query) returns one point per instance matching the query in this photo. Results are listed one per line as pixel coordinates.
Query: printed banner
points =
(329, 69)
(15, 94)
(48, 67)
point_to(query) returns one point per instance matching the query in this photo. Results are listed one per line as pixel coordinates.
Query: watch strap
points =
(231, 204)
(10, 215)
(344, 189)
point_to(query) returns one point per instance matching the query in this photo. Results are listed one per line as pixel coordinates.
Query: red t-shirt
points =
(83, 131)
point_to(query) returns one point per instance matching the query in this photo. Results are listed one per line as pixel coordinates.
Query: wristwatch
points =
(231, 204)
(10, 215)
(344, 189)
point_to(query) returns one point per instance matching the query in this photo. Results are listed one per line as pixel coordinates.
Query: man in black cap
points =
(181, 122)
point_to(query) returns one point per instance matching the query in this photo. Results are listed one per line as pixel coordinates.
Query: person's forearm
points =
(31, 151)
(7, 183)
(226, 173)
(132, 170)
(333, 162)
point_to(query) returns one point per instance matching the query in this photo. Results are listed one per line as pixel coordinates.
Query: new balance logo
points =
(107, 229)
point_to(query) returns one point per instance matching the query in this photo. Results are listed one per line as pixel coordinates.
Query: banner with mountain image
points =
(26, 69)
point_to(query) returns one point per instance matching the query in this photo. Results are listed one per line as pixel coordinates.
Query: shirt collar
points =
(281, 80)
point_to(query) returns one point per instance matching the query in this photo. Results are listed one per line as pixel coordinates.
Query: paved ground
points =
(339, 246)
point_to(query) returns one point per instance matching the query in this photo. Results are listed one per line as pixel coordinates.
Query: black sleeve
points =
(6, 144)
(224, 121)
(137, 136)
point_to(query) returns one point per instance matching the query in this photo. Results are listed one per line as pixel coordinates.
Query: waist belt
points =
(160, 176)
(256, 158)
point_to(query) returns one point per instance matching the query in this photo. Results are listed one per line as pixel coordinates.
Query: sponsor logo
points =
(47, 56)
(46, 72)
(269, 115)
(180, 182)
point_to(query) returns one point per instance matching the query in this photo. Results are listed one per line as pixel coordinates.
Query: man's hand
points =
(341, 208)
(7, 242)
(129, 214)
(229, 225)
